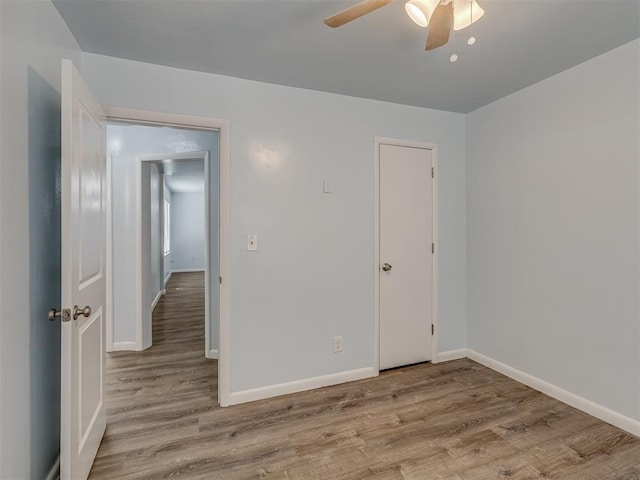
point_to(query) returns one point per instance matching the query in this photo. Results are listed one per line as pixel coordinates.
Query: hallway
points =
(154, 397)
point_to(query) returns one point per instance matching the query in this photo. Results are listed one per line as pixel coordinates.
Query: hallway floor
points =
(456, 420)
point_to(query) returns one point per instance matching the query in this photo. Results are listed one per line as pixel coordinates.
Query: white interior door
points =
(406, 262)
(83, 419)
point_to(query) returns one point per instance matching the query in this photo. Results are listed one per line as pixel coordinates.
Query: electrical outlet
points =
(337, 344)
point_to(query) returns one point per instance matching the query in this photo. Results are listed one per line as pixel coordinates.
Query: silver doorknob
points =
(386, 267)
(77, 311)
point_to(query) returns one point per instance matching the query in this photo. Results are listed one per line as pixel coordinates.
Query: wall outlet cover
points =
(252, 242)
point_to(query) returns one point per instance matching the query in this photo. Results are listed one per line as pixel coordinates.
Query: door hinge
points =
(433, 247)
(220, 280)
(433, 172)
(433, 329)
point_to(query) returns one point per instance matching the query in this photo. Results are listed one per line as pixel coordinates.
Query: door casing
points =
(376, 250)
(143, 328)
(152, 118)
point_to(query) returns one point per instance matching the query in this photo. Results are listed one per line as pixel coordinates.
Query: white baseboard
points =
(54, 473)
(187, 270)
(300, 385)
(166, 280)
(157, 299)
(125, 346)
(213, 354)
(603, 413)
(451, 355)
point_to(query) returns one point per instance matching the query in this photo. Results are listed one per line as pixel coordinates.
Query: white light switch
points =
(252, 242)
(327, 186)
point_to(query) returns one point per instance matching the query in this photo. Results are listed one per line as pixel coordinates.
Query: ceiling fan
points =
(439, 15)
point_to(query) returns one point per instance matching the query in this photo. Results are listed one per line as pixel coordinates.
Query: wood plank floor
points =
(455, 420)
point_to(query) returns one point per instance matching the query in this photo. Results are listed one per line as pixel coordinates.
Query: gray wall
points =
(33, 39)
(44, 272)
(288, 299)
(187, 231)
(552, 185)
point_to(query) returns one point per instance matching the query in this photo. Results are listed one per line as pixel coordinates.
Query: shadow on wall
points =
(44, 272)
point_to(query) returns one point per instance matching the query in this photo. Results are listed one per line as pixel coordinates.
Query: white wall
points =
(552, 242)
(126, 143)
(187, 231)
(312, 277)
(33, 39)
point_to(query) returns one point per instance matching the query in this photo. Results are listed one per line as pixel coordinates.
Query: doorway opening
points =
(181, 210)
(166, 218)
(182, 185)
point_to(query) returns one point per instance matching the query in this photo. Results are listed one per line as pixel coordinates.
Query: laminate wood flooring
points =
(456, 420)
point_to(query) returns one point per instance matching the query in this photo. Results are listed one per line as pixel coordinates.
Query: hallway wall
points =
(187, 231)
(152, 256)
(166, 263)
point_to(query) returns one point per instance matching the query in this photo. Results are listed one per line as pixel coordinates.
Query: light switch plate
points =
(327, 186)
(252, 242)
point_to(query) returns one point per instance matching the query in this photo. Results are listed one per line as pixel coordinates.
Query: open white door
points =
(83, 419)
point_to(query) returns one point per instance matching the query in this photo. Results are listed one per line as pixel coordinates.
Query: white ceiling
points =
(185, 183)
(379, 56)
(184, 175)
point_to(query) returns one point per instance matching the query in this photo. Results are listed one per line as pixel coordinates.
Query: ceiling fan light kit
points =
(441, 16)
(420, 11)
(466, 12)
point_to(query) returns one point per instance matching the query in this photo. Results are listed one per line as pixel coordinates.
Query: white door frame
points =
(376, 249)
(109, 258)
(146, 117)
(155, 159)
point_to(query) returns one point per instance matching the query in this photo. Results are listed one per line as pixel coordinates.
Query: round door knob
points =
(77, 311)
(386, 267)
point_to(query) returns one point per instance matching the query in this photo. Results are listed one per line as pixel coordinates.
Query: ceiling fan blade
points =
(440, 26)
(357, 11)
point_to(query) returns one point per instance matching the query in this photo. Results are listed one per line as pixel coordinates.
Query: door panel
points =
(91, 172)
(83, 419)
(90, 390)
(406, 234)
